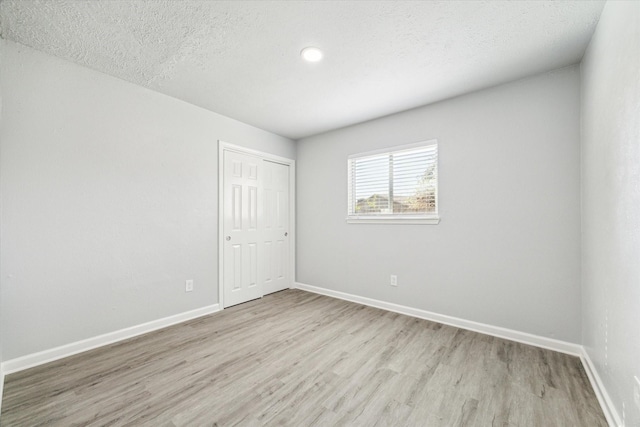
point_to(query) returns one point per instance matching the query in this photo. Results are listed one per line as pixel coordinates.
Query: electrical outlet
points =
(394, 280)
(188, 287)
(636, 392)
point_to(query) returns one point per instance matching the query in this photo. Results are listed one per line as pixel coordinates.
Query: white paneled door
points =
(242, 229)
(255, 227)
(276, 227)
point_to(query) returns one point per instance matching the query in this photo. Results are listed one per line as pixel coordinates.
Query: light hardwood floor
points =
(300, 359)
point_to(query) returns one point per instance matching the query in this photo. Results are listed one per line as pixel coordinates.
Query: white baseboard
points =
(35, 359)
(610, 413)
(496, 331)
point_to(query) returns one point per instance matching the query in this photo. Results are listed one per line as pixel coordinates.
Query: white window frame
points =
(431, 218)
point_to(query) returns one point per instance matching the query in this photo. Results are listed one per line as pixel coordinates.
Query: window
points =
(397, 186)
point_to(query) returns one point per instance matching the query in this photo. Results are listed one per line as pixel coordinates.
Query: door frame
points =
(226, 146)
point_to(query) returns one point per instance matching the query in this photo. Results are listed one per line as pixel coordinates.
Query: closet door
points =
(276, 227)
(243, 236)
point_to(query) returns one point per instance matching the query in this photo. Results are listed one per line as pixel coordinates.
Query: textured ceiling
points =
(241, 58)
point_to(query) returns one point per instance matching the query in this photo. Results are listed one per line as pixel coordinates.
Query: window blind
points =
(399, 183)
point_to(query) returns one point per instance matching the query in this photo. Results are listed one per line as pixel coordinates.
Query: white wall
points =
(109, 196)
(1, 125)
(611, 203)
(507, 250)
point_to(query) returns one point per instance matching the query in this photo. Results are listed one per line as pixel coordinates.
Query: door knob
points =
(228, 238)
(286, 234)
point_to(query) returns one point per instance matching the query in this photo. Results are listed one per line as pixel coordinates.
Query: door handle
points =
(286, 234)
(228, 238)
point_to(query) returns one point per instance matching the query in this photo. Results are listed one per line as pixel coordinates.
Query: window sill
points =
(398, 220)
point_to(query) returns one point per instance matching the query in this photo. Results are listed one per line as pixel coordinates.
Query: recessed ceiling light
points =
(311, 54)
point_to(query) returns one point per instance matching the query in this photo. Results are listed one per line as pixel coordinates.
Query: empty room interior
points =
(319, 213)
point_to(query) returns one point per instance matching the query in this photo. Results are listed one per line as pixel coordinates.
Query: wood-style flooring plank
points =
(298, 359)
